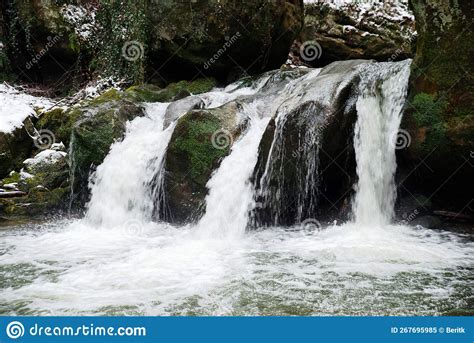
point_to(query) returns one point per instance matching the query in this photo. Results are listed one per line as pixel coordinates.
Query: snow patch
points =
(16, 106)
(81, 19)
(46, 157)
(396, 10)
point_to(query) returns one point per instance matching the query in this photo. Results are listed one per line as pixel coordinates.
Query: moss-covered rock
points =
(87, 129)
(174, 91)
(100, 123)
(38, 202)
(199, 142)
(440, 109)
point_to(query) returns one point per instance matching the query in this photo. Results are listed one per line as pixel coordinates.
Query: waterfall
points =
(128, 186)
(129, 182)
(231, 196)
(383, 90)
(120, 185)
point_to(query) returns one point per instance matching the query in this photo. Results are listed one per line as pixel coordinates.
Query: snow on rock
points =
(358, 10)
(58, 147)
(81, 19)
(24, 175)
(45, 158)
(16, 106)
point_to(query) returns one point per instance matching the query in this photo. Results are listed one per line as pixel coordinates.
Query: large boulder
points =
(222, 38)
(201, 139)
(337, 31)
(306, 164)
(440, 111)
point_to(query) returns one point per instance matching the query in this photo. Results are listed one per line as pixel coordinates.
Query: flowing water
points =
(117, 261)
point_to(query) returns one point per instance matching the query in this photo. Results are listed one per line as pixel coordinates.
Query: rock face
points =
(15, 147)
(146, 39)
(440, 111)
(223, 37)
(342, 30)
(40, 42)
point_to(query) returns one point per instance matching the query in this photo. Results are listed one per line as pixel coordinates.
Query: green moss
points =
(93, 141)
(145, 93)
(201, 85)
(194, 142)
(151, 93)
(38, 202)
(59, 122)
(110, 95)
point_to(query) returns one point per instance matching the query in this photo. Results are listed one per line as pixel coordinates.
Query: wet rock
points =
(306, 162)
(11, 194)
(180, 107)
(428, 222)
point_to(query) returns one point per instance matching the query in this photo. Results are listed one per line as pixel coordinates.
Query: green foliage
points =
(13, 178)
(122, 22)
(428, 108)
(428, 113)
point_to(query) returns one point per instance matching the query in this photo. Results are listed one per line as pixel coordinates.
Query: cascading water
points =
(379, 107)
(231, 196)
(119, 187)
(92, 266)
